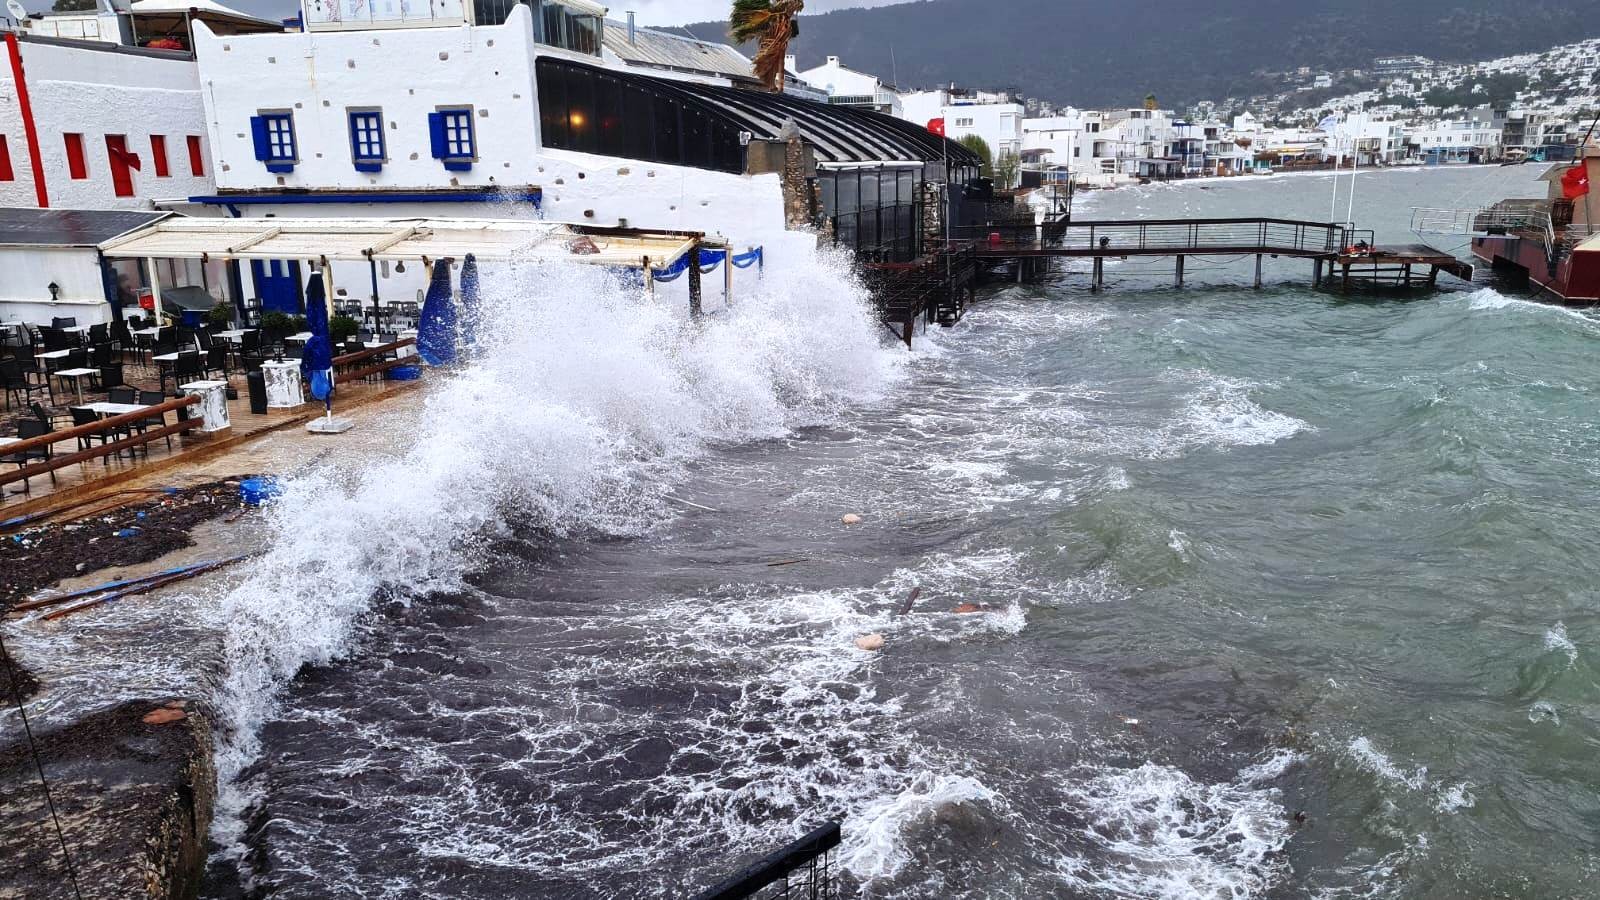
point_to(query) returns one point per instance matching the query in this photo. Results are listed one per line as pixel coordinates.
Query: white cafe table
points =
(284, 390)
(105, 408)
(5, 441)
(77, 376)
(233, 335)
(43, 359)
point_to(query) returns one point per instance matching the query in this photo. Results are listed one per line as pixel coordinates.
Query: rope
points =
(16, 690)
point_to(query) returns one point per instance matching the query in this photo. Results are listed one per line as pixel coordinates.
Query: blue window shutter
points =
(441, 147)
(258, 132)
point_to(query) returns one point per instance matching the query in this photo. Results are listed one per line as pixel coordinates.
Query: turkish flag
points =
(936, 126)
(1575, 183)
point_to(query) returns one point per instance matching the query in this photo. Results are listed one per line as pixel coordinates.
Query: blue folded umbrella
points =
(471, 304)
(436, 331)
(316, 361)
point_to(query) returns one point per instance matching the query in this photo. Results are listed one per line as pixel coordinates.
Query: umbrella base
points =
(329, 425)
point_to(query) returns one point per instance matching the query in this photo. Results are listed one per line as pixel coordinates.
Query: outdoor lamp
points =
(55, 291)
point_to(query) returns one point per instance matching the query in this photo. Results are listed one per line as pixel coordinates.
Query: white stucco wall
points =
(25, 285)
(96, 90)
(407, 73)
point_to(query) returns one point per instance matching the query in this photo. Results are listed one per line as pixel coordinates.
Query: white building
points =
(1369, 140)
(1478, 137)
(848, 87)
(994, 116)
(96, 125)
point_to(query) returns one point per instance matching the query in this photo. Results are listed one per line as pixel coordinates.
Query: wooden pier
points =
(939, 286)
(1339, 253)
(1403, 266)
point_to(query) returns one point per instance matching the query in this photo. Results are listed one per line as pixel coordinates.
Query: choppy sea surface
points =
(1284, 594)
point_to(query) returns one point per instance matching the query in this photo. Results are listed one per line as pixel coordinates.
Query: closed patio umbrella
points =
(316, 361)
(436, 332)
(471, 304)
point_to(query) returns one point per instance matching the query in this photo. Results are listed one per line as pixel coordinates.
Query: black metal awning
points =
(69, 227)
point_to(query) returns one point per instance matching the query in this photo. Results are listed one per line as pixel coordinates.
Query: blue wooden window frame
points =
(367, 148)
(273, 133)
(454, 137)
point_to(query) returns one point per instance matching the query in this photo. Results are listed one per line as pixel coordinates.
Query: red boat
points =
(1556, 241)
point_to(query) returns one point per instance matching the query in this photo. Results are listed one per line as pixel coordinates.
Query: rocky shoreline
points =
(133, 783)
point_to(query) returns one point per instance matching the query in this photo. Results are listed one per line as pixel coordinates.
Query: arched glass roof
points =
(838, 134)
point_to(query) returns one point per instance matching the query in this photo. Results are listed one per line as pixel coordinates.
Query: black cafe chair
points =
(29, 428)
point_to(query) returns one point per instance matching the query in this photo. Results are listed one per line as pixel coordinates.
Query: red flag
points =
(936, 126)
(131, 160)
(1575, 183)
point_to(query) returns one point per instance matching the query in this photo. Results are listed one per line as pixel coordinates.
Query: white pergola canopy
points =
(398, 239)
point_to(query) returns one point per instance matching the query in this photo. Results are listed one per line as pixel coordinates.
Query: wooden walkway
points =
(1330, 247)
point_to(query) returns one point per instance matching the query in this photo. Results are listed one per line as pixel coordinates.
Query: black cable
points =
(16, 691)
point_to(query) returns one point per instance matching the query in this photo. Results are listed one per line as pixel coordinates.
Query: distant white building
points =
(994, 116)
(847, 87)
(1369, 140)
(1479, 137)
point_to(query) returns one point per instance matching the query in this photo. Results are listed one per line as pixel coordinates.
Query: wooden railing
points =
(110, 424)
(361, 372)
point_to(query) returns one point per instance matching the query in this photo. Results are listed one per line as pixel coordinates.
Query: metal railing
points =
(804, 870)
(1171, 236)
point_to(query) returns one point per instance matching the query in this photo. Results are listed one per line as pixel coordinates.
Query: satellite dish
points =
(17, 10)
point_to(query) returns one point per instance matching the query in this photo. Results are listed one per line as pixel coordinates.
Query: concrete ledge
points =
(134, 786)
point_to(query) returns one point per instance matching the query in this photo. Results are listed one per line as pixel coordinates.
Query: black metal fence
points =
(804, 870)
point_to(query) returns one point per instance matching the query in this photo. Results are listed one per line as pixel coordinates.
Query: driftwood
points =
(131, 588)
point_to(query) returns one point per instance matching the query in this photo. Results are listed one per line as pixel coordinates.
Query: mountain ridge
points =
(1073, 51)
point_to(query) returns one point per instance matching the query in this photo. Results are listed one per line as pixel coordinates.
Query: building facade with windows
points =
(97, 125)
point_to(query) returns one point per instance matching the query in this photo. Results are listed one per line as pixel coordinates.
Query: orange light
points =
(576, 120)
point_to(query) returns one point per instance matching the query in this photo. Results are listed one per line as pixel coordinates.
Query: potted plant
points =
(276, 325)
(220, 317)
(341, 328)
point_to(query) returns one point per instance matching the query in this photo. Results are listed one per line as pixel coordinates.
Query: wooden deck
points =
(1395, 267)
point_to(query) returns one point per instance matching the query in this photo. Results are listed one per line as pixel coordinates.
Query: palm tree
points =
(771, 24)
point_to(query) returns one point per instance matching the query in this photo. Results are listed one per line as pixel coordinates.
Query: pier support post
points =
(694, 279)
(1099, 272)
(1345, 285)
(1316, 273)
(1407, 274)
(1433, 276)
(1258, 271)
(1180, 272)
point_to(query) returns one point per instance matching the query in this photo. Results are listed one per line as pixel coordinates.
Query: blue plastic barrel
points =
(404, 373)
